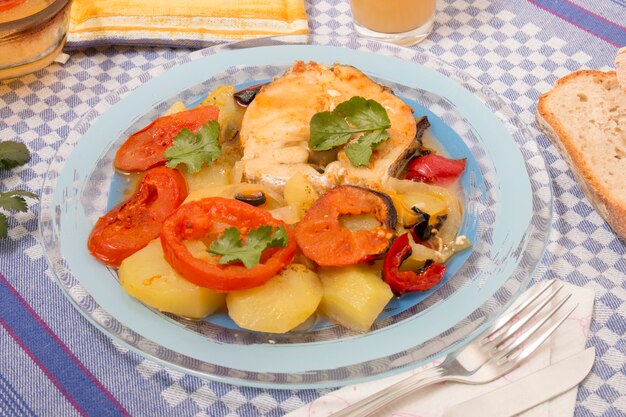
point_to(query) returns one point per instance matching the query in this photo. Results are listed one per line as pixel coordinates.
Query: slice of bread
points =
(584, 115)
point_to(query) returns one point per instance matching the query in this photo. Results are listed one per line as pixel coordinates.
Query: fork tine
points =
(508, 350)
(514, 342)
(514, 311)
(530, 348)
(525, 318)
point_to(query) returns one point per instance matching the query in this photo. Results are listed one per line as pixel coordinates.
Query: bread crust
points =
(603, 198)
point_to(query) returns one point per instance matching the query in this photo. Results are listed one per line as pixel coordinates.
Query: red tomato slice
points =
(435, 169)
(323, 239)
(133, 224)
(144, 149)
(210, 217)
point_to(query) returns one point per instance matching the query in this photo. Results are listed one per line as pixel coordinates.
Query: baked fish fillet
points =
(275, 128)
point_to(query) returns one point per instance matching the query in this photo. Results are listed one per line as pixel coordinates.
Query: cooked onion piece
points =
(273, 199)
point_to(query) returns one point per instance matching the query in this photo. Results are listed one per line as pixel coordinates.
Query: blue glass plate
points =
(506, 193)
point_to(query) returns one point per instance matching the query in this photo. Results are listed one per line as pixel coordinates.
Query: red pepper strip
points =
(406, 281)
(435, 169)
(211, 216)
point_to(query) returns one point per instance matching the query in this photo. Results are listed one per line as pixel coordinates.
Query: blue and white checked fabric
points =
(54, 363)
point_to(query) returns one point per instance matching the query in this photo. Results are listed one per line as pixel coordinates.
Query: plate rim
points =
(187, 59)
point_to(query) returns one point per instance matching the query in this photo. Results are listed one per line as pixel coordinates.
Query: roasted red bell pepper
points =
(405, 281)
(435, 169)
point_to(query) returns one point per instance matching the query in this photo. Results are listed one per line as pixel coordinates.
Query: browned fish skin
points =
(275, 128)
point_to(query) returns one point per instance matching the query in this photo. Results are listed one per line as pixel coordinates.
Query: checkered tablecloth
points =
(53, 362)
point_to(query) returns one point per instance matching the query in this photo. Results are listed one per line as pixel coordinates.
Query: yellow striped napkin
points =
(181, 22)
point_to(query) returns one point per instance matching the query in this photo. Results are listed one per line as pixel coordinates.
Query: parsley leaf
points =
(360, 152)
(279, 238)
(13, 154)
(195, 151)
(4, 226)
(328, 130)
(335, 128)
(232, 249)
(366, 114)
(228, 242)
(12, 200)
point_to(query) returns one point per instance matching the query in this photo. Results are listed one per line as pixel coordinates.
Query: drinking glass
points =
(402, 22)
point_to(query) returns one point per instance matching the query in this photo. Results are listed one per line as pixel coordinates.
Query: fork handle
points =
(376, 401)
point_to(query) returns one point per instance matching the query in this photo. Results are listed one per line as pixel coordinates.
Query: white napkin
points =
(569, 339)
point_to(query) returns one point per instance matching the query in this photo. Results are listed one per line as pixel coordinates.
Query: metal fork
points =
(497, 351)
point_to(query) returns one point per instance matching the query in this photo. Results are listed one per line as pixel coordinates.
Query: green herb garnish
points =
(12, 201)
(330, 129)
(12, 154)
(360, 152)
(232, 249)
(195, 150)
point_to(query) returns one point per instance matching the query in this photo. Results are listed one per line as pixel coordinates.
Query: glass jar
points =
(32, 34)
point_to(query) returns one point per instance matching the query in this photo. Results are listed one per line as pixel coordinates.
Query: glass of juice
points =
(32, 34)
(402, 22)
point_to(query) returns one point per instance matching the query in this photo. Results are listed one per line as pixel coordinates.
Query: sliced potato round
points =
(147, 276)
(279, 305)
